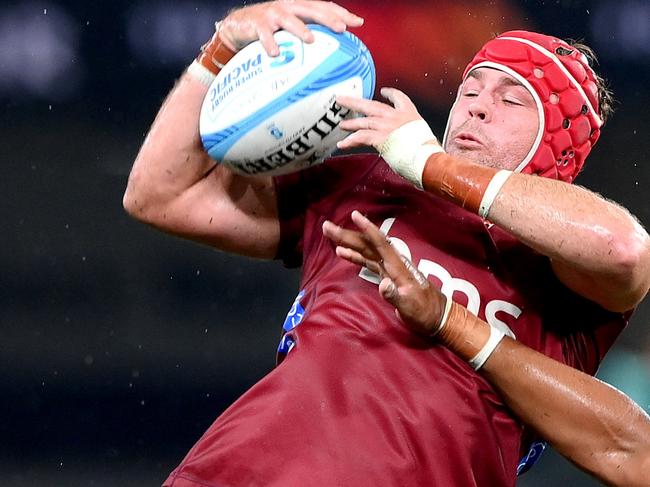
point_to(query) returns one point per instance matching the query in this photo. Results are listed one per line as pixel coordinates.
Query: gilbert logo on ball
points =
(270, 116)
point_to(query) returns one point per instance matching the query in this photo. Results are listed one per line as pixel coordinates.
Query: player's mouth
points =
(467, 141)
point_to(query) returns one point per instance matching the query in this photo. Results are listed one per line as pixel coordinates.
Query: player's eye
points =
(513, 102)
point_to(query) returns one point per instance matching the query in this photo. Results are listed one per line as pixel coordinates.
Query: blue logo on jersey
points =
(295, 314)
(293, 319)
(286, 55)
(533, 456)
(286, 344)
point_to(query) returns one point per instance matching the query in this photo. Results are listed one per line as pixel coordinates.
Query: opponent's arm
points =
(589, 422)
(596, 247)
(174, 185)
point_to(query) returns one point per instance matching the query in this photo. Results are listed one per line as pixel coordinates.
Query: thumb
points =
(398, 99)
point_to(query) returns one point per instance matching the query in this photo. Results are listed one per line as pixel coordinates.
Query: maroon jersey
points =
(359, 400)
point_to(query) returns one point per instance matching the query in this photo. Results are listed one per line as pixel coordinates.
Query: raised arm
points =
(174, 185)
(591, 423)
(597, 248)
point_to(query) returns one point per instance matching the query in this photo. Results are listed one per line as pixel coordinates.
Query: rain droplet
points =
(44, 11)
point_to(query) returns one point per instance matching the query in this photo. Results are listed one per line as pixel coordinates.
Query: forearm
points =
(589, 422)
(597, 248)
(592, 424)
(568, 223)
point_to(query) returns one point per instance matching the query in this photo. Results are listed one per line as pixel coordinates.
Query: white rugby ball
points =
(274, 115)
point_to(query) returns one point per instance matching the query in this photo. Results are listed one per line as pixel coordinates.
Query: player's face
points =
(494, 121)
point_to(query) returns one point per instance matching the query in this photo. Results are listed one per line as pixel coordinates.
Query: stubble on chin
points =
(472, 155)
(483, 156)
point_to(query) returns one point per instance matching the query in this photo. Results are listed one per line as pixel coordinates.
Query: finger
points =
(398, 99)
(391, 260)
(328, 14)
(265, 35)
(362, 138)
(370, 108)
(349, 238)
(358, 259)
(360, 123)
(297, 27)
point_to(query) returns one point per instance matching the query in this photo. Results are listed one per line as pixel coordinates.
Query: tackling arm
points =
(592, 424)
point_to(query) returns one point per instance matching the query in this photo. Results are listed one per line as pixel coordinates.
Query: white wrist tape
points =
(479, 359)
(201, 73)
(492, 190)
(445, 316)
(405, 151)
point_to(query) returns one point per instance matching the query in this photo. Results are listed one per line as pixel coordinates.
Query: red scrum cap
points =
(566, 94)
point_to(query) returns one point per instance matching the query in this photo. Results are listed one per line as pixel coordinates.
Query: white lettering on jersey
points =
(450, 284)
(496, 305)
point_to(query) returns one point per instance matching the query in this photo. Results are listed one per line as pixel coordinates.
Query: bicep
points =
(227, 211)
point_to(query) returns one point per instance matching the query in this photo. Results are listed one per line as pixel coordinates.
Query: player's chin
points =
(472, 154)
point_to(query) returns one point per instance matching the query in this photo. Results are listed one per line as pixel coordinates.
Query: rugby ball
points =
(274, 115)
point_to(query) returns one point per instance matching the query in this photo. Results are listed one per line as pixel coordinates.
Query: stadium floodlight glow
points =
(621, 30)
(39, 52)
(167, 33)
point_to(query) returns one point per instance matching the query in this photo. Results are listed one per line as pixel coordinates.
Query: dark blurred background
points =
(120, 345)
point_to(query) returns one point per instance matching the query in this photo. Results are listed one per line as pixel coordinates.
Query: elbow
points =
(631, 259)
(130, 203)
(134, 198)
(139, 202)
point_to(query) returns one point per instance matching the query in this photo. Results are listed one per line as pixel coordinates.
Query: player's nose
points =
(481, 108)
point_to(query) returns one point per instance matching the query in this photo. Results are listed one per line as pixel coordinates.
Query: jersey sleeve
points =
(296, 192)
(586, 349)
(586, 330)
